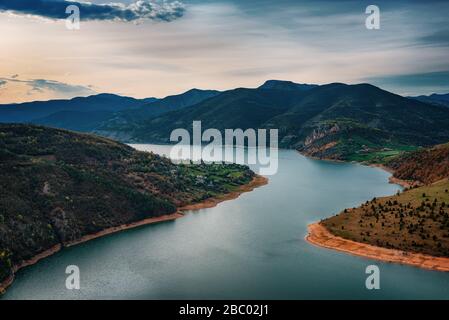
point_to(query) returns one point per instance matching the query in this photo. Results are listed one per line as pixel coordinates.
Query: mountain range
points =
(358, 122)
(82, 113)
(338, 121)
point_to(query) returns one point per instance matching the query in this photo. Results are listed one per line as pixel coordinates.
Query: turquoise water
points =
(249, 248)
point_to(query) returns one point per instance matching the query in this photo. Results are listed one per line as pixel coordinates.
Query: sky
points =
(157, 48)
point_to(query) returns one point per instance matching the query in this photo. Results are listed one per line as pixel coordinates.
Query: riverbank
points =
(318, 235)
(392, 179)
(256, 182)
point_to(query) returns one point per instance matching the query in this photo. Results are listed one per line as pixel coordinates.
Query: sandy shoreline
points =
(318, 235)
(257, 181)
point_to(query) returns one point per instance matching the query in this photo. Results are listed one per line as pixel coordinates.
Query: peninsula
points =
(411, 227)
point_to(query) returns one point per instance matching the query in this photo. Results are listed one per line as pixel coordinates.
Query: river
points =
(252, 247)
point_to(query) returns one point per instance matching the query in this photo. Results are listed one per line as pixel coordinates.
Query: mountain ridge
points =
(352, 122)
(29, 111)
(434, 98)
(334, 121)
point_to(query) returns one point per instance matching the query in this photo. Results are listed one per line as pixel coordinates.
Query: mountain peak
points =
(287, 85)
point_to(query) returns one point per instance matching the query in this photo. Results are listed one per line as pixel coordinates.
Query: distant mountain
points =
(30, 111)
(238, 108)
(334, 121)
(80, 114)
(286, 85)
(119, 124)
(103, 110)
(149, 100)
(337, 121)
(438, 99)
(174, 102)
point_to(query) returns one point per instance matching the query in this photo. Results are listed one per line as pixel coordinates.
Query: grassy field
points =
(415, 220)
(377, 157)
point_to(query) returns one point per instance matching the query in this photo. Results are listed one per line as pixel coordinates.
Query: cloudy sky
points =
(145, 48)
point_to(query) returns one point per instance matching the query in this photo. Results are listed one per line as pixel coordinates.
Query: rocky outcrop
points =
(321, 132)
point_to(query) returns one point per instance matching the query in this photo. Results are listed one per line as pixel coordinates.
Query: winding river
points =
(252, 247)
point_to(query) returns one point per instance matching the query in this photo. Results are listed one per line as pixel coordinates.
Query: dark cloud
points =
(138, 10)
(440, 38)
(428, 79)
(41, 85)
(413, 84)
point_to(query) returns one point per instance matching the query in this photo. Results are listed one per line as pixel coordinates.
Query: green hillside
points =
(416, 220)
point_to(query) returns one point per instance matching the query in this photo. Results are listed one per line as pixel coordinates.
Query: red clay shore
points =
(257, 181)
(318, 235)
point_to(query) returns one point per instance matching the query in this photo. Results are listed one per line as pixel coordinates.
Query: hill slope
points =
(359, 122)
(422, 166)
(57, 186)
(416, 220)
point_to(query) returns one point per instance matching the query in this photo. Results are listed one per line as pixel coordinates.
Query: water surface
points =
(249, 248)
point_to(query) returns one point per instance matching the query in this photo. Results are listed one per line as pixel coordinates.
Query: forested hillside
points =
(57, 186)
